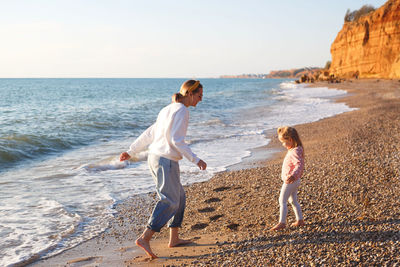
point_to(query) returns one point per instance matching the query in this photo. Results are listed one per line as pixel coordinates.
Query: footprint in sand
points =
(140, 260)
(199, 226)
(213, 199)
(233, 226)
(125, 249)
(216, 217)
(79, 262)
(222, 188)
(208, 209)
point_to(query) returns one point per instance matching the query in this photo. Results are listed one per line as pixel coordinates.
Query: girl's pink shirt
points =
(293, 164)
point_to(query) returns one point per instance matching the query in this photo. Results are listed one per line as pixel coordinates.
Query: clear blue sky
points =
(166, 38)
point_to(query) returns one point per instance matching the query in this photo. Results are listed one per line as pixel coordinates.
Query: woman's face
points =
(196, 97)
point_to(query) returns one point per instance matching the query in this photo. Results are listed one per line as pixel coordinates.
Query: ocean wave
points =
(105, 165)
(17, 147)
(245, 133)
(49, 233)
(290, 85)
(211, 122)
(113, 163)
(199, 140)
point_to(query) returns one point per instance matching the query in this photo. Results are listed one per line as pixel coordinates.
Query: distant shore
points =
(349, 195)
(277, 74)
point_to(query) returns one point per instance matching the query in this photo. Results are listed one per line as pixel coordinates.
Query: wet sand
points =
(349, 195)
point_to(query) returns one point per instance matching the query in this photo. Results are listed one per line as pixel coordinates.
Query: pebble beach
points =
(349, 195)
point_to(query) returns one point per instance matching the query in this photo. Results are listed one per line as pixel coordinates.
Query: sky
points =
(166, 38)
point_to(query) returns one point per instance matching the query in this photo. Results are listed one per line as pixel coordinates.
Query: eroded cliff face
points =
(369, 46)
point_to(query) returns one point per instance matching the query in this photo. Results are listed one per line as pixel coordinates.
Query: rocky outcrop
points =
(292, 73)
(370, 46)
(318, 76)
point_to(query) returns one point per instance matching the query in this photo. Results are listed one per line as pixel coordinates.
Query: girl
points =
(166, 141)
(292, 169)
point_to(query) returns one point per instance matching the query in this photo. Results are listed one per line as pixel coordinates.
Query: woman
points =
(165, 140)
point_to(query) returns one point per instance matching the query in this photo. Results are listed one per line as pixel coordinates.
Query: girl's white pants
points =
(289, 193)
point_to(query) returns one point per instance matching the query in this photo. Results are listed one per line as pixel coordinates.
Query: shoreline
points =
(116, 243)
(229, 215)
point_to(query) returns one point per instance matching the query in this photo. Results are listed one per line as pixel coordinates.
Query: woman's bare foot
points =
(174, 239)
(145, 245)
(279, 226)
(298, 223)
(179, 242)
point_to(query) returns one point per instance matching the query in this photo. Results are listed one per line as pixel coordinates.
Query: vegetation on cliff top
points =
(356, 14)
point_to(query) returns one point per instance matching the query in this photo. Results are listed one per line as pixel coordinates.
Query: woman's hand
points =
(202, 165)
(124, 156)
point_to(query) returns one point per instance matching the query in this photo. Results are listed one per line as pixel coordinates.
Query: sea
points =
(60, 140)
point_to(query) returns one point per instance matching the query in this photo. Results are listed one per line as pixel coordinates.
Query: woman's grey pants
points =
(172, 198)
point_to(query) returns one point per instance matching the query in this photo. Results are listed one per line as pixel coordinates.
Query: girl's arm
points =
(290, 180)
(297, 161)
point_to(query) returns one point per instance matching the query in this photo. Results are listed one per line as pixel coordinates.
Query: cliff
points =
(370, 46)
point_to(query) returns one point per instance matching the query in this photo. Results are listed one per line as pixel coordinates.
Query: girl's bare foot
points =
(279, 226)
(145, 245)
(298, 223)
(178, 242)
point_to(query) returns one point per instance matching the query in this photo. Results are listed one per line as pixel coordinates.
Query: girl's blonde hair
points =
(187, 87)
(287, 132)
